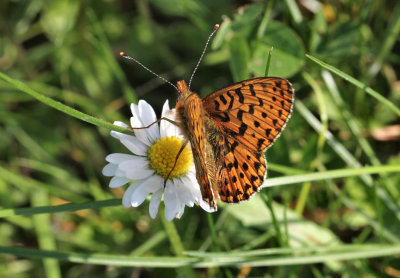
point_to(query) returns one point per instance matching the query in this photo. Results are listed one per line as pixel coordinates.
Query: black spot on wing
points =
(233, 146)
(239, 93)
(242, 129)
(251, 88)
(216, 105)
(232, 100)
(224, 117)
(240, 115)
(260, 143)
(223, 99)
(251, 109)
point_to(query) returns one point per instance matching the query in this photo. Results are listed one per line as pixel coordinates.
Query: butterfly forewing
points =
(253, 111)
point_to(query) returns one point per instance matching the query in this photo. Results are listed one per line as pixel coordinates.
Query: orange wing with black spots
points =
(246, 118)
(241, 171)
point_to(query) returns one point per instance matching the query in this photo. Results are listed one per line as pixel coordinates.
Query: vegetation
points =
(334, 208)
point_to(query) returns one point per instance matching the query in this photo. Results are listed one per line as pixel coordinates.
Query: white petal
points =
(141, 134)
(120, 124)
(117, 134)
(148, 116)
(132, 143)
(116, 158)
(170, 201)
(184, 192)
(126, 199)
(207, 207)
(170, 128)
(148, 186)
(163, 123)
(109, 170)
(180, 211)
(118, 181)
(134, 162)
(120, 173)
(155, 202)
(135, 170)
(191, 183)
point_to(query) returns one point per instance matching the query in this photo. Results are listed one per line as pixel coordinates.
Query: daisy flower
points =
(154, 151)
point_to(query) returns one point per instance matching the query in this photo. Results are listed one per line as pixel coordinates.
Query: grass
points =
(330, 206)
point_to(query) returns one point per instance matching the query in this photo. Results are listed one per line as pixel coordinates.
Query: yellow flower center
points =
(162, 156)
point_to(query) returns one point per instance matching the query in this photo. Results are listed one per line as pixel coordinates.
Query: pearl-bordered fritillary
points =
(229, 131)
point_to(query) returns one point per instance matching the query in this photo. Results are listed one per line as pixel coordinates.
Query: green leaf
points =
(287, 57)
(301, 231)
(239, 60)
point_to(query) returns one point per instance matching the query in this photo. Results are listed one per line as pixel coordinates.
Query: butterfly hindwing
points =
(241, 171)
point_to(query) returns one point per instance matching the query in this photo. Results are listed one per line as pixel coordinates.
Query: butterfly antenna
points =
(204, 51)
(124, 55)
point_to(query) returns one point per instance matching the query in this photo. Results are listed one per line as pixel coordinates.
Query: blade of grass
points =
(294, 11)
(390, 38)
(60, 208)
(176, 244)
(155, 240)
(331, 174)
(62, 107)
(268, 200)
(42, 224)
(173, 262)
(268, 61)
(265, 19)
(354, 126)
(358, 84)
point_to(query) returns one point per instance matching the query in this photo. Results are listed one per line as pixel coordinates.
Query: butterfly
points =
(229, 130)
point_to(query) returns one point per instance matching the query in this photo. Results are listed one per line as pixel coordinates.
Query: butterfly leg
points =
(159, 120)
(176, 160)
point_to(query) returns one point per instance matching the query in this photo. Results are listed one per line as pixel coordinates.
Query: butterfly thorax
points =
(189, 107)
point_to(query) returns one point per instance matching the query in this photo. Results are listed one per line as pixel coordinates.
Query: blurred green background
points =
(68, 50)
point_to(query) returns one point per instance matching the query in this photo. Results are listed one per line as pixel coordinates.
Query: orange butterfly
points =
(229, 130)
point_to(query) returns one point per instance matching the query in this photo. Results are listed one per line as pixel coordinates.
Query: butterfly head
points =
(182, 87)
(183, 90)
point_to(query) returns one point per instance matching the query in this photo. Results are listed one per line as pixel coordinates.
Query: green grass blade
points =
(60, 208)
(173, 262)
(333, 174)
(62, 107)
(357, 83)
(46, 237)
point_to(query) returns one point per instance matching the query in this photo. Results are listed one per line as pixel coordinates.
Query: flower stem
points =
(176, 244)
